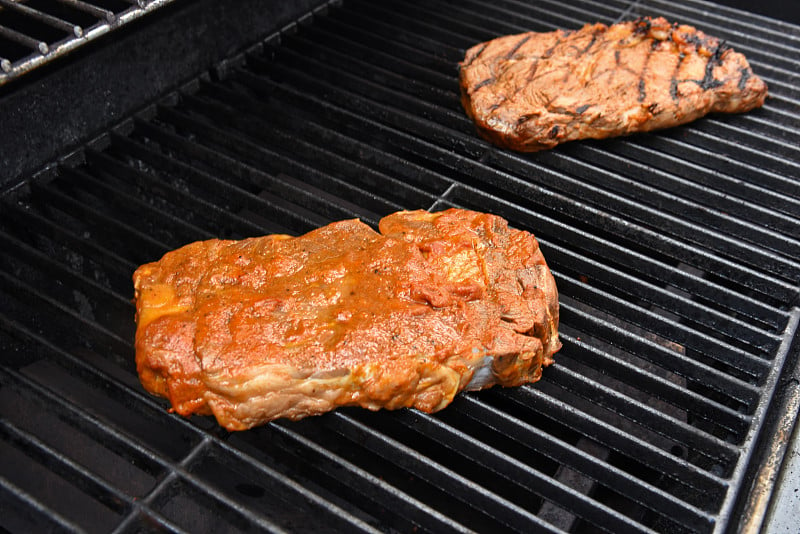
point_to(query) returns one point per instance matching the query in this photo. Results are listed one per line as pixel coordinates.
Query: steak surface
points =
(281, 326)
(532, 91)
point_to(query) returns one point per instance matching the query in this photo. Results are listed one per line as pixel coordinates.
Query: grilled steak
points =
(281, 326)
(532, 91)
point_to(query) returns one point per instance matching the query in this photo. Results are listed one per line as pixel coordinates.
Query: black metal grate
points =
(676, 253)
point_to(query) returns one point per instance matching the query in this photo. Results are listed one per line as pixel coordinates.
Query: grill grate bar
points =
(508, 21)
(656, 242)
(21, 502)
(99, 12)
(241, 146)
(94, 331)
(420, 181)
(661, 423)
(60, 272)
(252, 175)
(213, 215)
(565, 454)
(126, 201)
(688, 367)
(360, 175)
(417, 180)
(407, 22)
(751, 23)
(756, 255)
(225, 196)
(731, 328)
(741, 127)
(181, 472)
(396, 504)
(103, 223)
(656, 323)
(639, 268)
(781, 164)
(62, 466)
(431, 85)
(367, 38)
(760, 127)
(709, 158)
(99, 431)
(710, 239)
(540, 404)
(363, 19)
(294, 217)
(706, 206)
(523, 15)
(24, 40)
(42, 17)
(95, 21)
(782, 206)
(105, 432)
(58, 233)
(662, 388)
(515, 517)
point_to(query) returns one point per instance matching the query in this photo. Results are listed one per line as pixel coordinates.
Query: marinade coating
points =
(281, 326)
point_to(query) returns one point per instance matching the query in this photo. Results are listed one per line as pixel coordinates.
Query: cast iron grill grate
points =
(676, 255)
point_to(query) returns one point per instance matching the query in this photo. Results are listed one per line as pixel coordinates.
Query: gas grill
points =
(676, 254)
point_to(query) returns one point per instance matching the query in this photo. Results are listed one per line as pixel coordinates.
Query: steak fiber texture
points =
(281, 326)
(533, 91)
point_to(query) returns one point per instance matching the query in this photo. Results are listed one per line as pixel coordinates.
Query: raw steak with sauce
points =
(533, 91)
(281, 326)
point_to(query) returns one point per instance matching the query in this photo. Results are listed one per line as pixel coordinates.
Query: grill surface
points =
(676, 253)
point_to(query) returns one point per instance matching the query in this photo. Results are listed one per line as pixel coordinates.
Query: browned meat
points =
(532, 91)
(276, 326)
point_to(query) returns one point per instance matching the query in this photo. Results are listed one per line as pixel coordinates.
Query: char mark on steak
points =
(533, 91)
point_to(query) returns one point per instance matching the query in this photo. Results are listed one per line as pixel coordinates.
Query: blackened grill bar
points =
(676, 253)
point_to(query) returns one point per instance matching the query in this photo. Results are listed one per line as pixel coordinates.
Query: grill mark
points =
(590, 45)
(642, 91)
(547, 53)
(484, 83)
(581, 109)
(673, 82)
(517, 46)
(532, 70)
(478, 53)
(708, 75)
(708, 81)
(744, 75)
